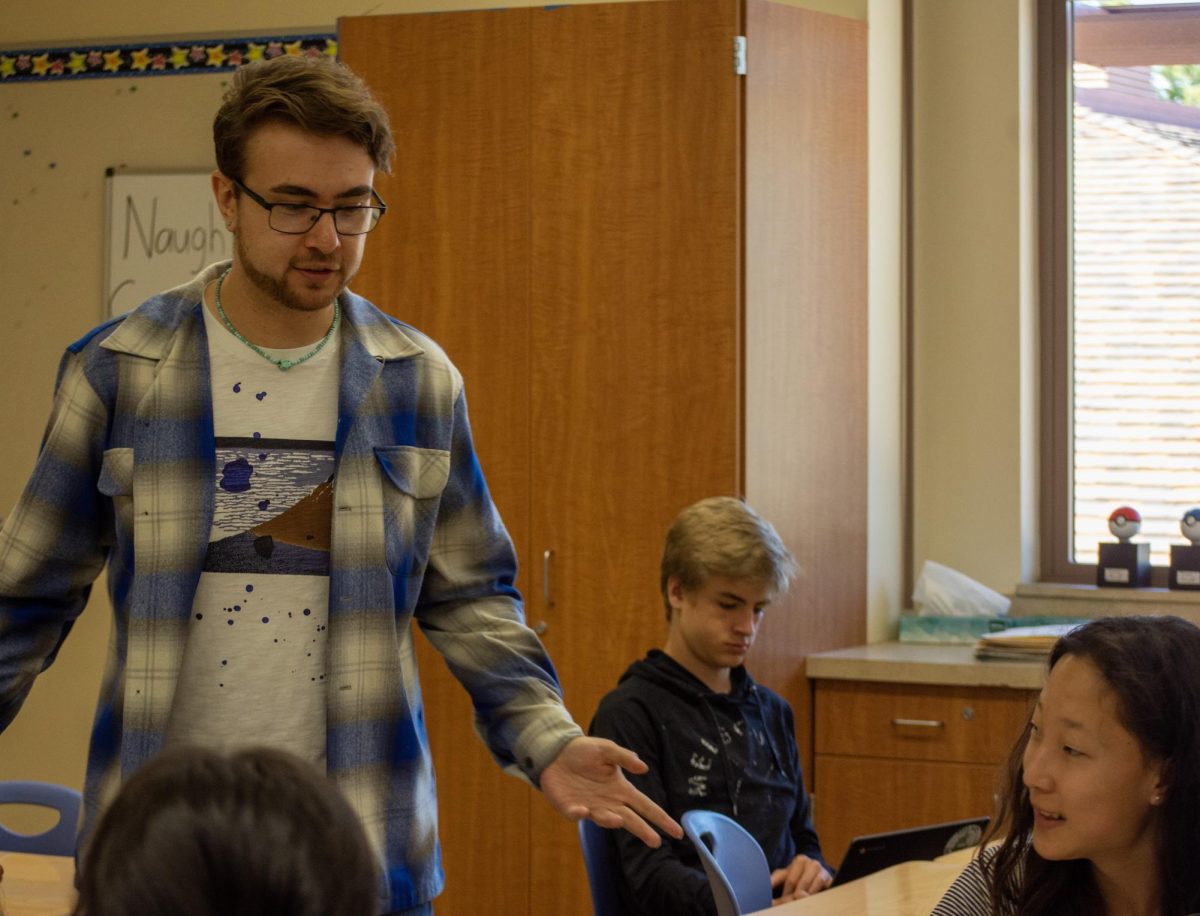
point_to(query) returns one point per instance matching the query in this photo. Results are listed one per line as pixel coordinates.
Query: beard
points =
(277, 288)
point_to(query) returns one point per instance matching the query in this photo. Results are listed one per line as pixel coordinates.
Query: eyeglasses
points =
(297, 219)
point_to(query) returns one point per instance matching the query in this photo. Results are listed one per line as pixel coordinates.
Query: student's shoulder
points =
(145, 330)
(970, 894)
(772, 701)
(630, 693)
(96, 335)
(393, 340)
(371, 318)
(634, 699)
(617, 714)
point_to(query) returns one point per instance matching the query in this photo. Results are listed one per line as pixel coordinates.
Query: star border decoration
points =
(155, 58)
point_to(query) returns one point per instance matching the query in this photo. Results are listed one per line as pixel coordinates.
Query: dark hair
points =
(255, 833)
(1152, 667)
(316, 94)
(722, 536)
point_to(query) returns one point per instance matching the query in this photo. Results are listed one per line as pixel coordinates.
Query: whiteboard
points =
(163, 229)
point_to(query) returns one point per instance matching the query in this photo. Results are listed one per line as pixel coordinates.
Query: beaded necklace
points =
(282, 364)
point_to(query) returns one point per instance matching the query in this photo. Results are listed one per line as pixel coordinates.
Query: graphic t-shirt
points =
(254, 666)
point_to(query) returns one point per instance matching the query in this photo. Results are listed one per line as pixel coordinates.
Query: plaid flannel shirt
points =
(125, 477)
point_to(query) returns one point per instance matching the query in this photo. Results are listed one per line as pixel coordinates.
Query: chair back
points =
(603, 868)
(59, 840)
(737, 869)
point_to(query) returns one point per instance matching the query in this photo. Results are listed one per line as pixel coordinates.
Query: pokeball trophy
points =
(1124, 564)
(1185, 560)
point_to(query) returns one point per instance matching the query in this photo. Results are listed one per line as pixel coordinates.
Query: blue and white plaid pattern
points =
(124, 478)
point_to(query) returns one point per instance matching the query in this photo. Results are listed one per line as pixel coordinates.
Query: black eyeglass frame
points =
(321, 211)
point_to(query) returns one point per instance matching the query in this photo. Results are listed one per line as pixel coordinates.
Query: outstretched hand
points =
(586, 779)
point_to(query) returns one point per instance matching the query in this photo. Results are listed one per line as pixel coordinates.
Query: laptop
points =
(869, 854)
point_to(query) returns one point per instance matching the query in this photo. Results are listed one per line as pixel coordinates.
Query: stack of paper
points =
(1022, 643)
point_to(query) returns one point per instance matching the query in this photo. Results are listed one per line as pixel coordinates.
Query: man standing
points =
(279, 477)
(712, 737)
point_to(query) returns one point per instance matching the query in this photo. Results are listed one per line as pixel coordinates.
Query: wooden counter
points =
(921, 663)
(907, 734)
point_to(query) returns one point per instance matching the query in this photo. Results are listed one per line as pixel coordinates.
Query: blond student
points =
(713, 737)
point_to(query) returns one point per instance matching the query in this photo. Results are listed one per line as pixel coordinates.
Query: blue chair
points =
(59, 840)
(737, 870)
(603, 868)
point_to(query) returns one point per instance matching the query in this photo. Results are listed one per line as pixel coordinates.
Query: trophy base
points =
(1185, 566)
(1123, 565)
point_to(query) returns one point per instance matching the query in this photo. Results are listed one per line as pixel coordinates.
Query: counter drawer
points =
(918, 722)
(854, 796)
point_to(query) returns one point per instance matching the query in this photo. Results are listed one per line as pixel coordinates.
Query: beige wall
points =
(56, 141)
(885, 328)
(974, 261)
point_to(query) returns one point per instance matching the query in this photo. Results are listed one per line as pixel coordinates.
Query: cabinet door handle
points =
(547, 591)
(917, 723)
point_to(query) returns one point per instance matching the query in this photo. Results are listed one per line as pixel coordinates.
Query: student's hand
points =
(586, 780)
(802, 878)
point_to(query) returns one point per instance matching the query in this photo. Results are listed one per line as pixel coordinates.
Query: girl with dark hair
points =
(1100, 811)
(258, 832)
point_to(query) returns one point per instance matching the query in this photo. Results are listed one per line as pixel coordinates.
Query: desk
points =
(36, 885)
(908, 889)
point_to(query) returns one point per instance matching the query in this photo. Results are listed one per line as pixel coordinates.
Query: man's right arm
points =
(51, 544)
(657, 878)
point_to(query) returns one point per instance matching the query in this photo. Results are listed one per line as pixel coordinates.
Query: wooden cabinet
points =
(652, 273)
(890, 756)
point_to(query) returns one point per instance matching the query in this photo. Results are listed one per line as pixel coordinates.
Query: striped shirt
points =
(123, 479)
(970, 895)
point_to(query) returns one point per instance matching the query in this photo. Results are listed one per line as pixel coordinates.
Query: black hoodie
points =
(734, 753)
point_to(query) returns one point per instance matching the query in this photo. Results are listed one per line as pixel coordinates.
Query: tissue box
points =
(965, 630)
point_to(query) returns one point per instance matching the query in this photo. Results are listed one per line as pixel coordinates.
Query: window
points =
(1119, 135)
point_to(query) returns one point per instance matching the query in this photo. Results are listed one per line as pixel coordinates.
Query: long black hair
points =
(1152, 666)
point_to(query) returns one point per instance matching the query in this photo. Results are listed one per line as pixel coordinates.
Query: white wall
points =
(885, 329)
(974, 322)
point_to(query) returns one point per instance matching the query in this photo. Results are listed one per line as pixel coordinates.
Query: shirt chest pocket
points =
(413, 481)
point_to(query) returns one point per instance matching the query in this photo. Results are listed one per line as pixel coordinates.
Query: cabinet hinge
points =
(739, 55)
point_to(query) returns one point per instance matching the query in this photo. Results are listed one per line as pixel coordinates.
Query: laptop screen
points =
(869, 854)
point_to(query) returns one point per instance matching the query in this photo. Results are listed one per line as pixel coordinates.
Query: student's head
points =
(253, 833)
(315, 94)
(722, 537)
(297, 132)
(721, 566)
(1107, 772)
